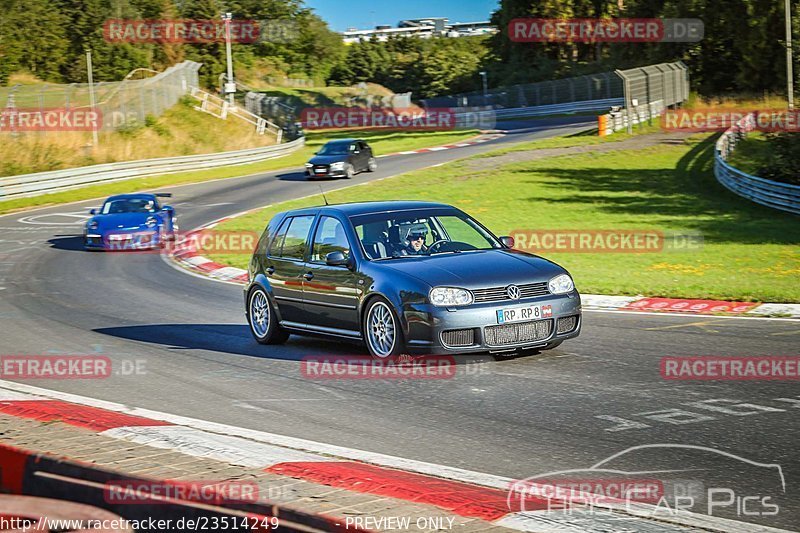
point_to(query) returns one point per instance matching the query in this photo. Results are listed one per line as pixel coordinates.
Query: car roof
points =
(131, 196)
(363, 208)
(344, 141)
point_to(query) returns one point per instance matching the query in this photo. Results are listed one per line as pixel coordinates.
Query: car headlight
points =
(446, 296)
(92, 225)
(151, 222)
(561, 284)
(309, 165)
(337, 166)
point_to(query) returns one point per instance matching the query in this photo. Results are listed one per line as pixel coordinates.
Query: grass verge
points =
(381, 142)
(750, 252)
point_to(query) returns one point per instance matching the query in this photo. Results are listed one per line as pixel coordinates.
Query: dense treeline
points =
(49, 38)
(743, 48)
(742, 51)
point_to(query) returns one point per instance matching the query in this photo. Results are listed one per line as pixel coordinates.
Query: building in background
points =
(423, 27)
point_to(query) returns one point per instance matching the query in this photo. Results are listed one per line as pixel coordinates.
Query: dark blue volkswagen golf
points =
(405, 277)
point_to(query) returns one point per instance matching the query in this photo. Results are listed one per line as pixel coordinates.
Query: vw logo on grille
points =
(513, 292)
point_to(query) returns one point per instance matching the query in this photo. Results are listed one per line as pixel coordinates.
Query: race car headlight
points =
(92, 225)
(337, 166)
(309, 165)
(151, 222)
(561, 284)
(445, 296)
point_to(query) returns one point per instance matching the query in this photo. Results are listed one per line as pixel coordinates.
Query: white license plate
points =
(524, 313)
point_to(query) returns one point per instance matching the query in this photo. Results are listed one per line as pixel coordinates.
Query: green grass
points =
(750, 252)
(381, 142)
(752, 153)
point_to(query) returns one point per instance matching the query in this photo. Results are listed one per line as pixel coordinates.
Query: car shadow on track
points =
(229, 338)
(301, 176)
(236, 339)
(72, 243)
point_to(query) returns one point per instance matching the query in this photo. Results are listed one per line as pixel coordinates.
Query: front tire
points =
(349, 171)
(382, 332)
(261, 318)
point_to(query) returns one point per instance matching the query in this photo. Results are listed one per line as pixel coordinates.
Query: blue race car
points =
(130, 222)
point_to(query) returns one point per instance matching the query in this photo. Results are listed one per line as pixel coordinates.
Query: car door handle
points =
(270, 270)
(308, 276)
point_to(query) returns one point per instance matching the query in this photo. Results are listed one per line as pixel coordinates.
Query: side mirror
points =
(336, 259)
(92, 211)
(507, 241)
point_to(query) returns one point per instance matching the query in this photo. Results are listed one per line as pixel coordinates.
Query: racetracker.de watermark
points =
(617, 241)
(377, 117)
(67, 367)
(131, 492)
(710, 120)
(366, 367)
(190, 31)
(739, 368)
(559, 493)
(50, 119)
(594, 30)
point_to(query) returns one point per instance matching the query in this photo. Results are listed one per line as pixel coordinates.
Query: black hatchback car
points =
(342, 158)
(405, 277)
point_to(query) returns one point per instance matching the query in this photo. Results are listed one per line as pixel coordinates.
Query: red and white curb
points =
(479, 140)
(461, 492)
(688, 306)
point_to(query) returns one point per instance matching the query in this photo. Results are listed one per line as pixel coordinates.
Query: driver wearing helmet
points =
(416, 243)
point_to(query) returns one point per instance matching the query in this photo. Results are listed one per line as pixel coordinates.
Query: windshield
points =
(335, 149)
(130, 205)
(422, 232)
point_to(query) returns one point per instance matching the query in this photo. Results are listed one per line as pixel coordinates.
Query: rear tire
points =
(372, 165)
(261, 318)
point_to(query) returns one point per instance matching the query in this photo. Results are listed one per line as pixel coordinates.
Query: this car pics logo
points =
(661, 480)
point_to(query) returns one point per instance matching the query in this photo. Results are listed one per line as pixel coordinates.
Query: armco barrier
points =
(782, 196)
(34, 474)
(59, 180)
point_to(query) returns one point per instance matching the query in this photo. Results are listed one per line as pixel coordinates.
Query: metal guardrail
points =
(782, 196)
(60, 180)
(618, 120)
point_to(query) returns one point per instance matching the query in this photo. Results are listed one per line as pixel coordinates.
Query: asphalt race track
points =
(565, 409)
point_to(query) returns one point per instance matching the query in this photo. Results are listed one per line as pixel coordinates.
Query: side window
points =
(294, 244)
(277, 242)
(353, 147)
(330, 237)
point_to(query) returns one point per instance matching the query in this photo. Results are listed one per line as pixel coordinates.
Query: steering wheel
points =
(437, 243)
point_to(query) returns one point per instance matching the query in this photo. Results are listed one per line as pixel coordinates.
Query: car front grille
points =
(566, 324)
(517, 333)
(458, 337)
(498, 294)
(320, 169)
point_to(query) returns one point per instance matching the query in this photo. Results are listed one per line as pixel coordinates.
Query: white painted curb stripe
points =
(198, 443)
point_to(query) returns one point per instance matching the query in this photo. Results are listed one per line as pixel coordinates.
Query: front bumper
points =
(324, 173)
(140, 240)
(439, 330)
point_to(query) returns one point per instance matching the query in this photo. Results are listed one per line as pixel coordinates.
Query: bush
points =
(784, 156)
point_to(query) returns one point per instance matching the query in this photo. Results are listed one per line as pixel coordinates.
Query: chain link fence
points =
(120, 103)
(665, 82)
(592, 87)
